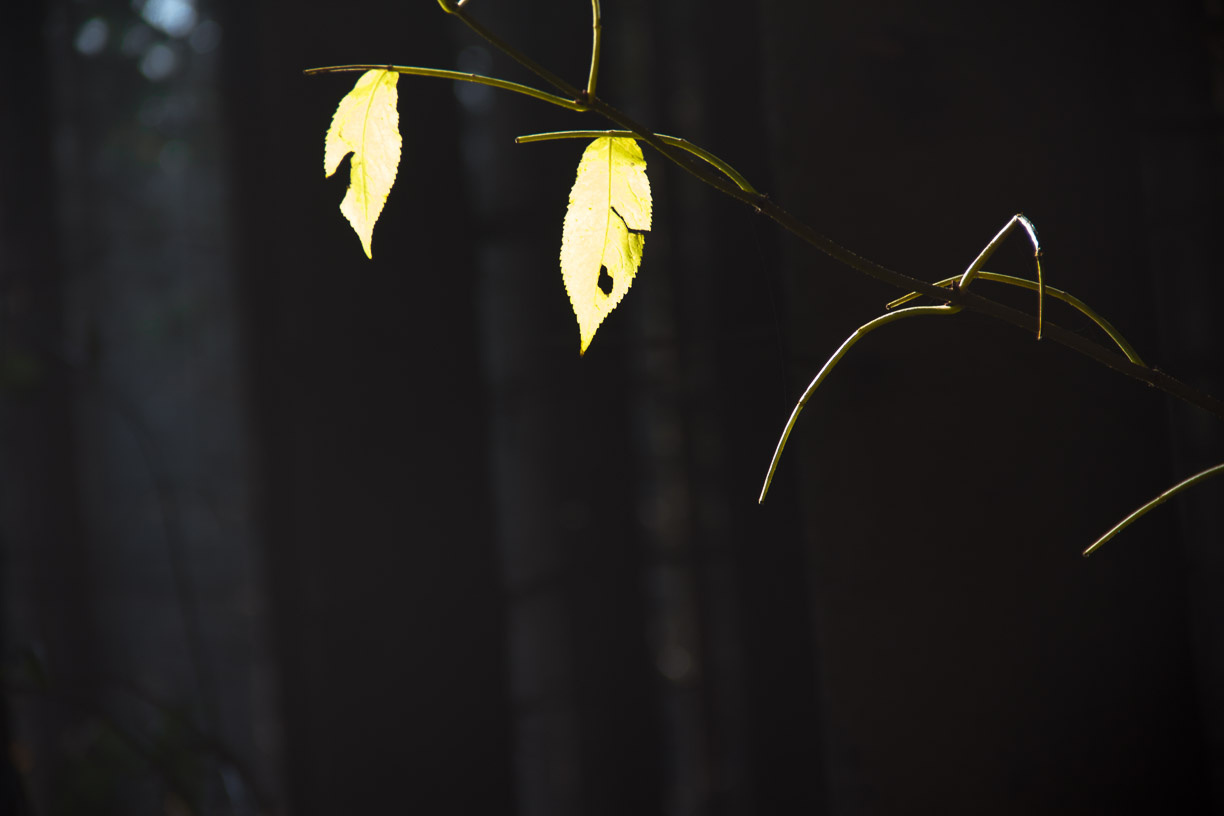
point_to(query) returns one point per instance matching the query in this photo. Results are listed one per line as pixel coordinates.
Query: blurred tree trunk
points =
(371, 416)
(46, 621)
(563, 459)
(1179, 107)
(129, 480)
(660, 642)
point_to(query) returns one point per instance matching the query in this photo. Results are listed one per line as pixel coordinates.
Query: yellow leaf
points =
(601, 242)
(366, 124)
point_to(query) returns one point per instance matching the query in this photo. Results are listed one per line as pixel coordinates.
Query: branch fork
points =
(951, 293)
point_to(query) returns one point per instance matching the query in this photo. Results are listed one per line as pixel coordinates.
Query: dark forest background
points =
(285, 530)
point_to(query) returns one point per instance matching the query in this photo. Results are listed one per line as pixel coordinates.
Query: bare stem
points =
(1201, 476)
(858, 334)
(514, 54)
(1053, 292)
(595, 37)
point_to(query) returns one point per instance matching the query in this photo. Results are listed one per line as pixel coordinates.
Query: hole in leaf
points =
(605, 281)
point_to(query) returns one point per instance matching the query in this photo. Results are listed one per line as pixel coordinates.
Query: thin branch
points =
(675, 141)
(596, 32)
(765, 206)
(989, 249)
(461, 76)
(847, 344)
(510, 51)
(965, 299)
(1201, 476)
(1054, 292)
(699, 170)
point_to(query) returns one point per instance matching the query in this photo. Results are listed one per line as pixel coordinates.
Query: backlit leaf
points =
(366, 124)
(605, 226)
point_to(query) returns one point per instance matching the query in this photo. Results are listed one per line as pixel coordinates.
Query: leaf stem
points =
(858, 334)
(595, 41)
(1201, 476)
(460, 76)
(1054, 292)
(675, 141)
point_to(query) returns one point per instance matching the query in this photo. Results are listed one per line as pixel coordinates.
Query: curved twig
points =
(1053, 292)
(989, 249)
(1201, 476)
(858, 334)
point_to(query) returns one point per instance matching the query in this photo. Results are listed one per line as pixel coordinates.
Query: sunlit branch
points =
(595, 41)
(989, 249)
(1053, 292)
(510, 51)
(859, 334)
(1202, 476)
(460, 76)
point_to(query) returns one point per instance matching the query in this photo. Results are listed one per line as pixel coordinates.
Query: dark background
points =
(285, 530)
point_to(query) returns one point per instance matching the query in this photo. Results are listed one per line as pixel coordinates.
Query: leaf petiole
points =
(674, 141)
(438, 73)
